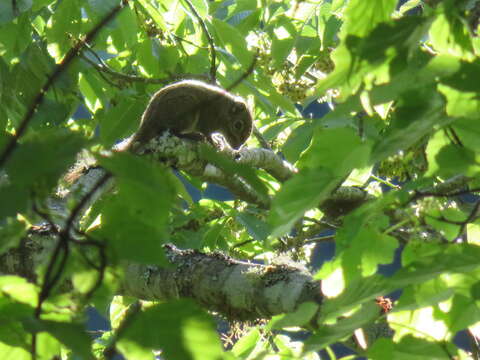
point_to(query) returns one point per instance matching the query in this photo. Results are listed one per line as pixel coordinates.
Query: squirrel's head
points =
(239, 124)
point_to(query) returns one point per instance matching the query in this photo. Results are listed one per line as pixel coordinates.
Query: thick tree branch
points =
(239, 290)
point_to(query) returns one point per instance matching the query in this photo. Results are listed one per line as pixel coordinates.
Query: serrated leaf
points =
(246, 343)
(156, 16)
(186, 332)
(40, 176)
(339, 150)
(233, 42)
(408, 348)
(298, 140)
(329, 334)
(139, 211)
(19, 289)
(14, 352)
(300, 317)
(257, 228)
(65, 24)
(121, 120)
(201, 6)
(416, 115)
(7, 12)
(73, 336)
(303, 191)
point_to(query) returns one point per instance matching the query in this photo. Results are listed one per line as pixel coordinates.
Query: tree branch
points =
(237, 289)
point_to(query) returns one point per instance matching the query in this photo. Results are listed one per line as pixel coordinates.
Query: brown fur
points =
(195, 109)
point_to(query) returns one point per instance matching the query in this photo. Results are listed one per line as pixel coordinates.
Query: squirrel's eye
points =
(238, 125)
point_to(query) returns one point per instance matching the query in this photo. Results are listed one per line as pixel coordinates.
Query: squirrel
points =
(189, 108)
(196, 110)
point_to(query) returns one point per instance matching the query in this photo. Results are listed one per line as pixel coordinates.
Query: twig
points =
(102, 67)
(213, 55)
(62, 248)
(132, 312)
(20, 131)
(188, 42)
(258, 135)
(245, 74)
(455, 138)
(240, 244)
(469, 219)
(103, 260)
(474, 345)
(38, 100)
(320, 239)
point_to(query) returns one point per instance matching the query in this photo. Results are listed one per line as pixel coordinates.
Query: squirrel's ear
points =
(237, 107)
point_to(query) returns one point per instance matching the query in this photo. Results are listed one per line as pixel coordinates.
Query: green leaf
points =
(463, 313)
(12, 331)
(417, 113)
(201, 6)
(19, 289)
(14, 352)
(233, 41)
(7, 13)
(303, 191)
(71, 335)
(247, 343)
(457, 258)
(64, 25)
(367, 249)
(361, 17)
(11, 232)
(15, 199)
(329, 334)
(91, 90)
(434, 218)
(154, 13)
(447, 159)
(269, 97)
(121, 120)
(213, 236)
(39, 176)
(417, 249)
(50, 114)
(388, 48)
(340, 150)
(128, 27)
(148, 59)
(409, 348)
(468, 130)
(186, 332)
(139, 212)
(461, 103)
(332, 154)
(230, 167)
(429, 293)
(300, 317)
(460, 80)
(257, 228)
(283, 39)
(449, 34)
(298, 141)
(357, 293)
(247, 20)
(168, 57)
(51, 160)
